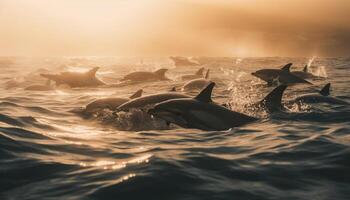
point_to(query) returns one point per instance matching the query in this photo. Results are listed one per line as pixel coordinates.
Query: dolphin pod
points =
(76, 79)
(199, 112)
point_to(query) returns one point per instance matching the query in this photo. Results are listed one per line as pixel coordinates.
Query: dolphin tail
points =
(205, 94)
(287, 67)
(325, 90)
(200, 71)
(137, 94)
(92, 72)
(273, 101)
(161, 72)
(207, 74)
(305, 68)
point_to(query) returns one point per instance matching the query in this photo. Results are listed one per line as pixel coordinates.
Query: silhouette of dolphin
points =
(199, 112)
(183, 61)
(197, 84)
(282, 76)
(158, 75)
(76, 79)
(197, 75)
(321, 97)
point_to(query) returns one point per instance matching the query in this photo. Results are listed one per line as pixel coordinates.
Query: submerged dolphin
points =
(283, 76)
(183, 61)
(321, 97)
(198, 74)
(199, 112)
(109, 103)
(76, 79)
(45, 87)
(158, 75)
(149, 100)
(197, 84)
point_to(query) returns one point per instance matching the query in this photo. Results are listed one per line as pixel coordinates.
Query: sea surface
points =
(49, 152)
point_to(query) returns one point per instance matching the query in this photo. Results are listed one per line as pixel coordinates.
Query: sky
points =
(174, 27)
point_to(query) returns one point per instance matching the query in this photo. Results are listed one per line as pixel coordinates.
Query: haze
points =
(177, 27)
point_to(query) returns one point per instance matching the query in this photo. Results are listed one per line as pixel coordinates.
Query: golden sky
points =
(175, 27)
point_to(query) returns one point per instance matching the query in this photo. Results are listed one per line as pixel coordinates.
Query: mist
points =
(179, 27)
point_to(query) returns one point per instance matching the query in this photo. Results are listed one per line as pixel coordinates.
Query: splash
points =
(311, 60)
(321, 72)
(134, 120)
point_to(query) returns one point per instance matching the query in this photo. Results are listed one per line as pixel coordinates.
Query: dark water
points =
(48, 152)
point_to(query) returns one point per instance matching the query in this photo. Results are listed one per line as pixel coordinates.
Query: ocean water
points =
(49, 152)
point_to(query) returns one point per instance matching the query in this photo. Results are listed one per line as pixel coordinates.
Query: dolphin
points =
(45, 87)
(198, 74)
(199, 112)
(109, 103)
(282, 76)
(149, 100)
(183, 61)
(305, 74)
(321, 97)
(76, 79)
(158, 75)
(197, 84)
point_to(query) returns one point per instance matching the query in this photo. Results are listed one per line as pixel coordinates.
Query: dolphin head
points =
(263, 74)
(171, 111)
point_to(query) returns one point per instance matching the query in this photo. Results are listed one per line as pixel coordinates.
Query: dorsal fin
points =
(173, 89)
(273, 101)
(205, 94)
(137, 94)
(305, 68)
(92, 72)
(200, 71)
(287, 67)
(161, 72)
(207, 74)
(326, 90)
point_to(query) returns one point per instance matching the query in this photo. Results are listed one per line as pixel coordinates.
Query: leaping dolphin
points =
(110, 103)
(282, 76)
(197, 84)
(158, 75)
(199, 112)
(198, 74)
(76, 79)
(321, 97)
